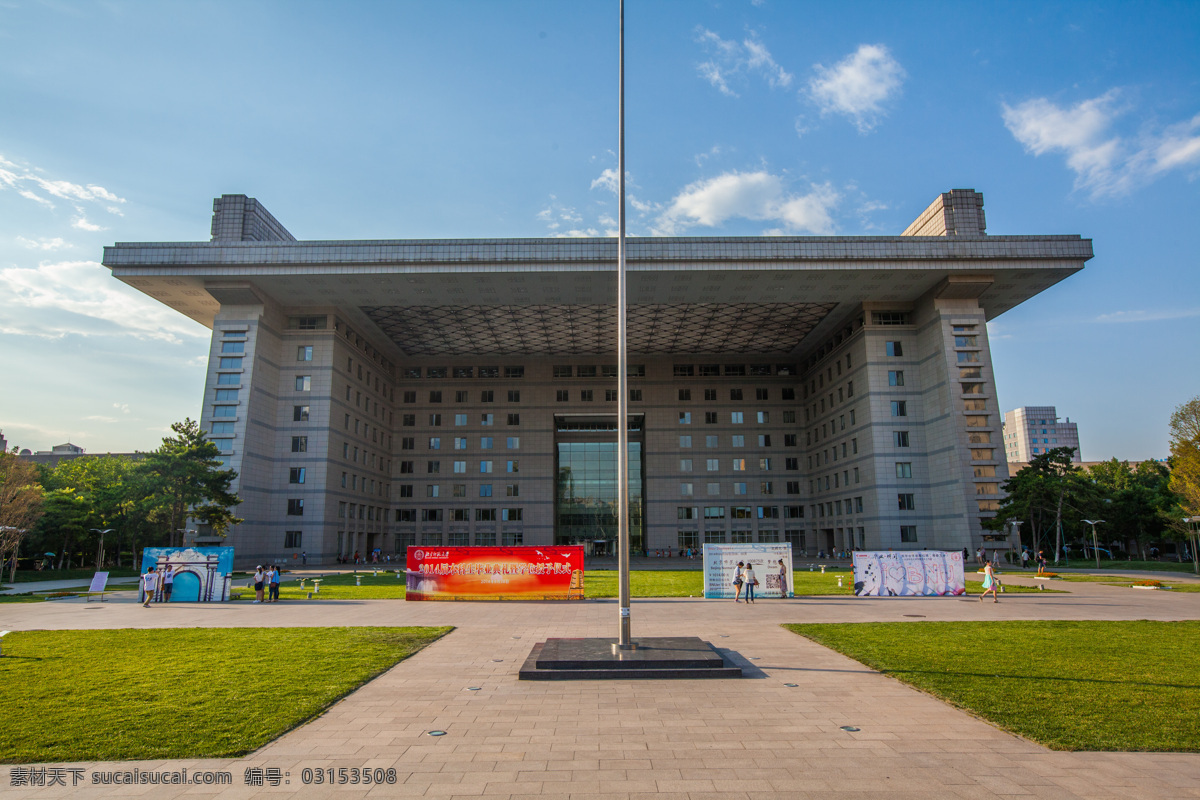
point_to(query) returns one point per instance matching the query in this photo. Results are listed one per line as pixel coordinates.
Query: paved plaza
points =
(673, 740)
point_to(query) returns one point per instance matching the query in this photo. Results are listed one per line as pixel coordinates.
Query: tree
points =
(1040, 493)
(1131, 501)
(1185, 466)
(185, 479)
(20, 505)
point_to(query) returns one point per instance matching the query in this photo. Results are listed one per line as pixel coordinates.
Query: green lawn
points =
(1067, 685)
(190, 693)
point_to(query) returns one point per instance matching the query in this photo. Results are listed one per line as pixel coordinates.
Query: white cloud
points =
(56, 243)
(58, 299)
(82, 223)
(730, 60)
(29, 184)
(122, 407)
(98, 418)
(757, 196)
(1104, 162)
(1148, 316)
(608, 180)
(858, 85)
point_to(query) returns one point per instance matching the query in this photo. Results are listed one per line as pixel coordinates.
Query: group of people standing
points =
(744, 577)
(153, 580)
(266, 580)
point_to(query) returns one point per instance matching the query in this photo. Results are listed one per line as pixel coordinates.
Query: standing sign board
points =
(99, 582)
(908, 574)
(720, 565)
(202, 574)
(495, 573)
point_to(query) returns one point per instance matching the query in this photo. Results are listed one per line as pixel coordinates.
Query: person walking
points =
(259, 577)
(783, 582)
(1024, 559)
(168, 583)
(751, 581)
(1041, 562)
(273, 584)
(739, 579)
(149, 584)
(304, 557)
(990, 583)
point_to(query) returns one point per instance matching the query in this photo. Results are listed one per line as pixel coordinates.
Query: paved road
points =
(670, 740)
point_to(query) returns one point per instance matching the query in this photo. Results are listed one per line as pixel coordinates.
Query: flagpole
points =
(624, 642)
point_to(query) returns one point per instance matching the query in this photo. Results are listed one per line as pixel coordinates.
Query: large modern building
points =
(833, 392)
(1034, 430)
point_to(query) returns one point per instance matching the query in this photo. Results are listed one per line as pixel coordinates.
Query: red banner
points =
(495, 573)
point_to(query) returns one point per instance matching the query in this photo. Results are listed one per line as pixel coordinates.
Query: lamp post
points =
(100, 549)
(624, 636)
(1095, 546)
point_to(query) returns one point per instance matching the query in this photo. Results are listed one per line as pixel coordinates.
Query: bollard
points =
(375, 573)
(822, 569)
(810, 567)
(302, 586)
(310, 595)
(357, 579)
(839, 581)
(397, 574)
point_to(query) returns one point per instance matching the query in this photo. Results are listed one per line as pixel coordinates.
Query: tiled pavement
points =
(748, 738)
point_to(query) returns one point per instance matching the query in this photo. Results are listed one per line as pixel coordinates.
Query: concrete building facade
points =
(1033, 430)
(834, 392)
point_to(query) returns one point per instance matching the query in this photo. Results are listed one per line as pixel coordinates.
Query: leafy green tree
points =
(63, 524)
(1040, 494)
(185, 479)
(20, 506)
(1132, 501)
(1185, 467)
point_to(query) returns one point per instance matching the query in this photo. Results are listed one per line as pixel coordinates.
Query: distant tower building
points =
(1032, 430)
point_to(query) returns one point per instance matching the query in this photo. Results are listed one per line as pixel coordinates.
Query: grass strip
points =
(1115, 686)
(110, 695)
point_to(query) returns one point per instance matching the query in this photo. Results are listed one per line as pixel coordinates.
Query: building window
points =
(899, 408)
(635, 395)
(906, 502)
(894, 349)
(739, 488)
(291, 539)
(407, 467)
(562, 371)
(485, 467)
(685, 512)
(761, 394)
(408, 443)
(735, 394)
(299, 444)
(713, 489)
(903, 469)
(296, 475)
(435, 397)
(406, 490)
(685, 441)
(766, 487)
(487, 419)
(485, 490)
(735, 417)
(793, 487)
(900, 438)
(511, 514)
(225, 411)
(908, 533)
(788, 394)
(514, 419)
(739, 465)
(304, 353)
(514, 395)
(487, 396)
(303, 383)
(512, 490)
(460, 443)
(685, 395)
(764, 417)
(229, 379)
(433, 490)
(714, 512)
(514, 372)
(431, 515)
(764, 440)
(685, 489)
(433, 467)
(485, 442)
(896, 378)
(435, 420)
(435, 443)
(737, 441)
(514, 466)
(408, 420)
(460, 467)
(229, 363)
(295, 507)
(233, 347)
(685, 465)
(710, 441)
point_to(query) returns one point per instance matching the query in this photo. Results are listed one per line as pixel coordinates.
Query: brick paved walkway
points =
(594, 740)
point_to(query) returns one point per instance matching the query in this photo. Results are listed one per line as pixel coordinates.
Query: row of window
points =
(688, 489)
(460, 442)
(435, 420)
(460, 490)
(740, 512)
(736, 440)
(739, 464)
(459, 514)
(459, 467)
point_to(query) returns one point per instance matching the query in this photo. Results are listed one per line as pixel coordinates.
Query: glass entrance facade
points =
(585, 506)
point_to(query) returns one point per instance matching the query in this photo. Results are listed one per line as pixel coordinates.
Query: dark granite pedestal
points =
(655, 657)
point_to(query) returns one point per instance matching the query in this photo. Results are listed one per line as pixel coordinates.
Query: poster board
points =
(720, 565)
(99, 582)
(912, 573)
(494, 573)
(202, 574)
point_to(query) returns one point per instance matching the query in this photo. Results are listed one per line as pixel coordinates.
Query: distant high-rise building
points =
(1032, 430)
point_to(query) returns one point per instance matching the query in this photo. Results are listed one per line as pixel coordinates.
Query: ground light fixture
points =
(1095, 545)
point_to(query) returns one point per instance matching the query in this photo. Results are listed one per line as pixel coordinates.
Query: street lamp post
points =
(100, 549)
(1095, 545)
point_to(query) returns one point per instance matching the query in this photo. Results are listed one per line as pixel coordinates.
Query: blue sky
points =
(120, 121)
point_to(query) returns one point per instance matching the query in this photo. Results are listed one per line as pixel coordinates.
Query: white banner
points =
(720, 565)
(908, 573)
